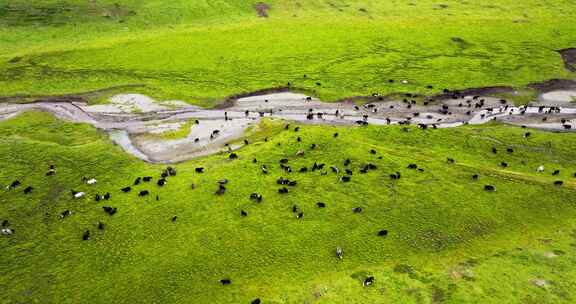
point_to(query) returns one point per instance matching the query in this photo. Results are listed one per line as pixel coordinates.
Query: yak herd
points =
(345, 175)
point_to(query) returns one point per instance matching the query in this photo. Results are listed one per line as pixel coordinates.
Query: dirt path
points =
(132, 118)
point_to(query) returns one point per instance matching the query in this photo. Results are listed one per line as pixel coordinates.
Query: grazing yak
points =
(66, 213)
(339, 253)
(221, 189)
(78, 194)
(7, 231)
(51, 171)
(489, 188)
(368, 281)
(286, 168)
(370, 166)
(110, 210)
(171, 171)
(283, 181)
(14, 184)
(317, 166)
(256, 197)
(86, 235)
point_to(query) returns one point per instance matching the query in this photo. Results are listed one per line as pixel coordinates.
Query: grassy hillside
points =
(202, 51)
(449, 240)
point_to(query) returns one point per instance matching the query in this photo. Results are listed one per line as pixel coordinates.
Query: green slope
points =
(449, 241)
(202, 51)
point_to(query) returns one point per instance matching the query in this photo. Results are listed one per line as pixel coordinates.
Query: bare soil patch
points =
(553, 85)
(569, 57)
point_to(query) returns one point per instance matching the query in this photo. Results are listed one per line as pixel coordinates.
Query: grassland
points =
(181, 131)
(449, 241)
(203, 51)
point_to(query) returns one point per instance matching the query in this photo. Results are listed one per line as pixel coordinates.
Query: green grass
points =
(449, 241)
(181, 132)
(521, 96)
(202, 51)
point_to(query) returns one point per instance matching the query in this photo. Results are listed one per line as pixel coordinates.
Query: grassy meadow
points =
(449, 240)
(203, 51)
